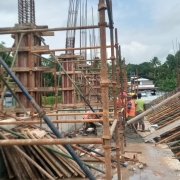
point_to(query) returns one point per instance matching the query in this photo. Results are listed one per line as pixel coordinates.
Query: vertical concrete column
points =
(30, 78)
(67, 86)
(104, 84)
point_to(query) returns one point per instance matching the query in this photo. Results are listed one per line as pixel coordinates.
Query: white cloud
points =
(136, 52)
(146, 28)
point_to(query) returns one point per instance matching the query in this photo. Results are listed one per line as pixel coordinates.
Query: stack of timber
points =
(166, 121)
(45, 162)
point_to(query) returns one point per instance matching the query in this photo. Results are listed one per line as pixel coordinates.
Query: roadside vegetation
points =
(165, 74)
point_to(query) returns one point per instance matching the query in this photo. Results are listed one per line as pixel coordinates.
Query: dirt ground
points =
(132, 136)
(158, 160)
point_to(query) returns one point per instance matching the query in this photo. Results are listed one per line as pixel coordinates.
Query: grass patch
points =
(50, 100)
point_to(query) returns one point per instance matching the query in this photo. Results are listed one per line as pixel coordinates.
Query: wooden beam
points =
(69, 72)
(42, 89)
(21, 49)
(48, 33)
(67, 56)
(162, 130)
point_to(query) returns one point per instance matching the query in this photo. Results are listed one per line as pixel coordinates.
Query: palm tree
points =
(155, 62)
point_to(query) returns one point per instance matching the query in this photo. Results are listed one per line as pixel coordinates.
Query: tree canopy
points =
(6, 56)
(165, 74)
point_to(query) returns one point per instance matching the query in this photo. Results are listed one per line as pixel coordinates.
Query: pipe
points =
(50, 141)
(28, 158)
(50, 149)
(104, 85)
(65, 49)
(82, 109)
(10, 31)
(47, 120)
(53, 121)
(153, 108)
(69, 114)
(109, 10)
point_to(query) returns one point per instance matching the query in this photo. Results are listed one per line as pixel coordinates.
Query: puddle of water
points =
(143, 175)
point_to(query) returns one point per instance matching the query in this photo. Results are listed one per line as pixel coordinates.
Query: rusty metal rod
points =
(65, 49)
(53, 121)
(86, 152)
(11, 31)
(28, 158)
(69, 114)
(104, 84)
(26, 142)
(100, 154)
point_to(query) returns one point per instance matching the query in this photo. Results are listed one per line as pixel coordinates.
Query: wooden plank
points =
(69, 72)
(20, 110)
(10, 153)
(70, 164)
(41, 160)
(27, 166)
(38, 133)
(66, 56)
(24, 69)
(27, 69)
(37, 174)
(48, 33)
(24, 49)
(58, 168)
(162, 130)
(7, 163)
(42, 89)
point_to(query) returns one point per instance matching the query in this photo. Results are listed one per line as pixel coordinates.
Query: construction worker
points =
(89, 115)
(130, 108)
(121, 100)
(140, 107)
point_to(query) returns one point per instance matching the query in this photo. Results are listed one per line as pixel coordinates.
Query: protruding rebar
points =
(26, 11)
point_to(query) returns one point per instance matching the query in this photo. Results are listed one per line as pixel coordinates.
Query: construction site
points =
(83, 134)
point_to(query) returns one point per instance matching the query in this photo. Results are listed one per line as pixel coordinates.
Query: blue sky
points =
(146, 28)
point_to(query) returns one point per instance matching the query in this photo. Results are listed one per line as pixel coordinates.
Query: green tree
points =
(155, 62)
(6, 56)
(170, 60)
(49, 77)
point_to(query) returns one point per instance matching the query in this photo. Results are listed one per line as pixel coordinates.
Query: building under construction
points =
(42, 141)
